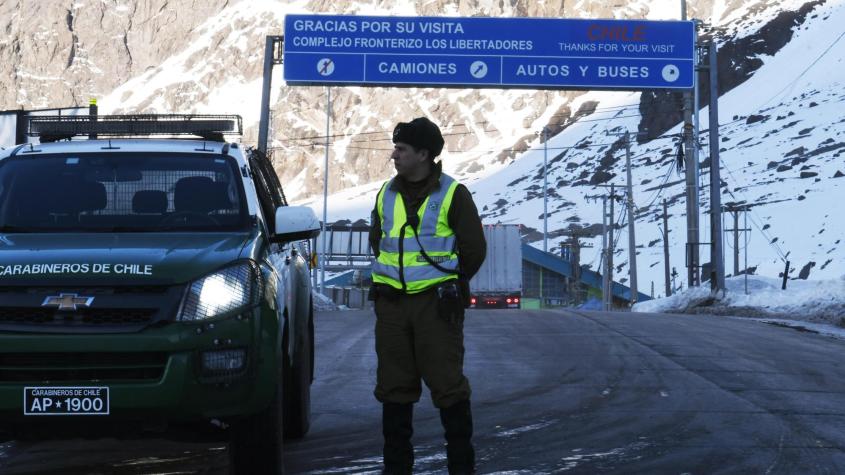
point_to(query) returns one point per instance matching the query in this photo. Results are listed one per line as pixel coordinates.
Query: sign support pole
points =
(325, 194)
(271, 48)
(696, 150)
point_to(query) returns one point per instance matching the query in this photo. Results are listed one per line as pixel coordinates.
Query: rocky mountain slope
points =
(782, 146)
(207, 56)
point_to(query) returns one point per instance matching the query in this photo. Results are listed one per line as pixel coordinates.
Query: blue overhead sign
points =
(489, 52)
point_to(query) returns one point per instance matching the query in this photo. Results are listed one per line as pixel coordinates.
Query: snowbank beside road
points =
(819, 301)
(322, 303)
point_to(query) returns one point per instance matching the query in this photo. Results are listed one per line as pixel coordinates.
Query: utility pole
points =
(575, 262)
(734, 210)
(691, 174)
(785, 275)
(632, 240)
(607, 245)
(605, 286)
(571, 251)
(717, 257)
(603, 267)
(545, 190)
(545, 205)
(610, 251)
(745, 225)
(736, 242)
(666, 248)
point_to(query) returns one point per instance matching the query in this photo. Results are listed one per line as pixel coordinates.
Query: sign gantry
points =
(489, 52)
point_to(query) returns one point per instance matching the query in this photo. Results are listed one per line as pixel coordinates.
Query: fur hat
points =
(420, 133)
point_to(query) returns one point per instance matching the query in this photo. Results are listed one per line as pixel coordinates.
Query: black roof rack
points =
(208, 127)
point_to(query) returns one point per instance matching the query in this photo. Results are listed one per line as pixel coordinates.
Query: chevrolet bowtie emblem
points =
(68, 302)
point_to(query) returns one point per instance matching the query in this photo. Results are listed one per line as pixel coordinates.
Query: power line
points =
(792, 83)
(578, 146)
(660, 188)
(759, 228)
(571, 120)
(446, 134)
(664, 106)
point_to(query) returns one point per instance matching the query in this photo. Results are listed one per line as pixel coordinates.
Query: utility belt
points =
(450, 298)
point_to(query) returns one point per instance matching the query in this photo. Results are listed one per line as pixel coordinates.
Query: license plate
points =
(66, 401)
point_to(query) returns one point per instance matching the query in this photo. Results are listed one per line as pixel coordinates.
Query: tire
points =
(255, 443)
(298, 386)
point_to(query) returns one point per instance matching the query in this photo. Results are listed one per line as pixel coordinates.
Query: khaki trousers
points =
(413, 343)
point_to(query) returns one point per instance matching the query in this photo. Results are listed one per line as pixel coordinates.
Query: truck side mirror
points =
(295, 223)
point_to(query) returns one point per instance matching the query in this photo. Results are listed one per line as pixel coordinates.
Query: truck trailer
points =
(498, 283)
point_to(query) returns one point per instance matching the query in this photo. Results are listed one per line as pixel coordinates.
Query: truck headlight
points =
(223, 361)
(226, 291)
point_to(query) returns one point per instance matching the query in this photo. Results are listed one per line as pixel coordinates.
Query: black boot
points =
(457, 423)
(397, 427)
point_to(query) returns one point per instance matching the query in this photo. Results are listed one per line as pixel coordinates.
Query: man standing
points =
(428, 241)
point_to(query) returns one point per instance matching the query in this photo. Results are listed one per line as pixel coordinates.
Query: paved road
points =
(556, 391)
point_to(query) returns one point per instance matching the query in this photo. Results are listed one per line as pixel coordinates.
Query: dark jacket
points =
(463, 219)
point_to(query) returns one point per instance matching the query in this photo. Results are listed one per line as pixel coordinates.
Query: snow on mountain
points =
(781, 129)
(184, 56)
(204, 77)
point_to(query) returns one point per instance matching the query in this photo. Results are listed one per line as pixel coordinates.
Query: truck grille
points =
(53, 367)
(112, 309)
(109, 316)
(149, 290)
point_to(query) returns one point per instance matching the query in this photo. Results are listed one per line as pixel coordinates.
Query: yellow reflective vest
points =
(400, 263)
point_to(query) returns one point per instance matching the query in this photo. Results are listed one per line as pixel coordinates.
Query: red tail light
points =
(472, 300)
(516, 300)
(508, 300)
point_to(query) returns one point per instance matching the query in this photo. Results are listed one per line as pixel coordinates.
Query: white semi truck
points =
(498, 284)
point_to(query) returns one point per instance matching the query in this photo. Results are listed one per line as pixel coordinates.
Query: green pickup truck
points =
(151, 283)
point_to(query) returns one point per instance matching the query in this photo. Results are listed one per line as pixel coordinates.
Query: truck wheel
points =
(298, 387)
(255, 443)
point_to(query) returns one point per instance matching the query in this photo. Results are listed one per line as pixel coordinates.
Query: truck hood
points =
(116, 258)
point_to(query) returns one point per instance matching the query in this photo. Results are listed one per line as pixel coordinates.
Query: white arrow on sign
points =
(478, 69)
(670, 73)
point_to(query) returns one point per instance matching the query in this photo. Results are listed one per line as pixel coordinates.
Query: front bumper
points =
(155, 374)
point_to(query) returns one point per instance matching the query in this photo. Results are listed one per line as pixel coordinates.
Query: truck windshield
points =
(121, 192)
